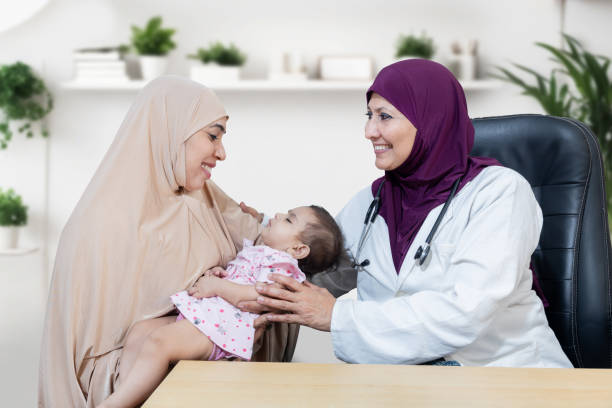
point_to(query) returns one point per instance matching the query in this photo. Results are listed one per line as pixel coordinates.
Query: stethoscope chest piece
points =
(422, 254)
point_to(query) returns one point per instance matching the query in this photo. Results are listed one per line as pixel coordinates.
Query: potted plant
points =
(152, 44)
(13, 214)
(411, 46)
(218, 63)
(23, 98)
(589, 100)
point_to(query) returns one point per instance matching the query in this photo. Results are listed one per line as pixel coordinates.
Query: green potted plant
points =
(412, 46)
(24, 99)
(589, 100)
(13, 214)
(217, 63)
(152, 43)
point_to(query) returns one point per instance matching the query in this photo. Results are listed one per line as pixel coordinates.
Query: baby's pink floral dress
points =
(227, 326)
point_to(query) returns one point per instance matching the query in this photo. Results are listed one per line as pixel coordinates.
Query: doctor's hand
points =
(253, 212)
(302, 303)
(260, 324)
(252, 306)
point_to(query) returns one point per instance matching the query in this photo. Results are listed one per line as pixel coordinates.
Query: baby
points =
(209, 325)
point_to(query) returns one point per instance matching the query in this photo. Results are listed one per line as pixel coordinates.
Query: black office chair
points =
(561, 160)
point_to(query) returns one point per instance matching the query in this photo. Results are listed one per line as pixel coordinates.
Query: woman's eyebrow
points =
(219, 126)
(377, 109)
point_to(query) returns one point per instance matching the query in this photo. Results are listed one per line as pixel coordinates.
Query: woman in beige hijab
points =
(149, 224)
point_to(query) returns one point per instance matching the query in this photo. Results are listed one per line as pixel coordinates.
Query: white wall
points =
(284, 148)
(21, 325)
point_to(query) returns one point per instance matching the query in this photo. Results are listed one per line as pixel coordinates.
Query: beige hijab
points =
(131, 242)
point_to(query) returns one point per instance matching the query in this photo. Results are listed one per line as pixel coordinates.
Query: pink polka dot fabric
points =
(225, 325)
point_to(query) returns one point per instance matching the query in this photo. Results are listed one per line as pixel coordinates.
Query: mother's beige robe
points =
(131, 242)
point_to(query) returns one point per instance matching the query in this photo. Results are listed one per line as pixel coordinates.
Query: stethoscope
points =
(422, 252)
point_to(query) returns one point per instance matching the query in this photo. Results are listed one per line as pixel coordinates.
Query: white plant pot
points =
(8, 237)
(152, 66)
(212, 73)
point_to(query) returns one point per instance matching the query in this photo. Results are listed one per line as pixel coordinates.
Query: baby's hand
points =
(205, 287)
(217, 271)
(252, 212)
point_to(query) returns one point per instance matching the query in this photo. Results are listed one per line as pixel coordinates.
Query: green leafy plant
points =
(23, 97)
(222, 55)
(411, 45)
(12, 210)
(589, 100)
(153, 39)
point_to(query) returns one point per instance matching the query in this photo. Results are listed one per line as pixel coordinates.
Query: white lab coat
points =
(471, 302)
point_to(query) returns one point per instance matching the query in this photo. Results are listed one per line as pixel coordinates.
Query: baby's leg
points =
(134, 341)
(165, 345)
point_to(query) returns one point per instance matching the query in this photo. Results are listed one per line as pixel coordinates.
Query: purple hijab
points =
(433, 101)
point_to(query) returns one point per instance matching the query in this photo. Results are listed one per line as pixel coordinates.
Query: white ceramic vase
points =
(8, 237)
(213, 73)
(464, 66)
(152, 66)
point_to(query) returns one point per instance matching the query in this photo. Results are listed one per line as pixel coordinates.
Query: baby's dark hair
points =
(325, 240)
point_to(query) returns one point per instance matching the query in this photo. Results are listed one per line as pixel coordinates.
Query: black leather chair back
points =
(561, 160)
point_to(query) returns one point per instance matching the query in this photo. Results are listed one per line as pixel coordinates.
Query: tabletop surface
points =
(223, 383)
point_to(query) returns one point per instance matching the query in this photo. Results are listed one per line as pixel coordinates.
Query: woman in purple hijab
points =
(470, 301)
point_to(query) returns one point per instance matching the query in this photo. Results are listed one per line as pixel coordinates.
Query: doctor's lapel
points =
(410, 264)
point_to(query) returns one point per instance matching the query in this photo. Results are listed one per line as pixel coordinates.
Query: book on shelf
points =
(100, 65)
(100, 75)
(86, 79)
(97, 54)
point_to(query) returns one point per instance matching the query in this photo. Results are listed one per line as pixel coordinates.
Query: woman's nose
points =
(220, 153)
(371, 130)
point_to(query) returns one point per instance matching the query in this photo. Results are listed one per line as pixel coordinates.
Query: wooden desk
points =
(216, 384)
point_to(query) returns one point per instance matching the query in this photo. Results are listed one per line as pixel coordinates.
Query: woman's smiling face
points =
(391, 133)
(202, 151)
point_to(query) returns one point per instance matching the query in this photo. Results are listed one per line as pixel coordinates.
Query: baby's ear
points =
(300, 250)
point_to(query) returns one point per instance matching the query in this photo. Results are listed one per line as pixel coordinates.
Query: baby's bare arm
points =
(235, 293)
(209, 286)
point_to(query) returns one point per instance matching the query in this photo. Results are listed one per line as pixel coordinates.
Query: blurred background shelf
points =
(266, 85)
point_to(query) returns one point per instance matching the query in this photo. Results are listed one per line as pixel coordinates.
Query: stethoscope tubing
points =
(373, 210)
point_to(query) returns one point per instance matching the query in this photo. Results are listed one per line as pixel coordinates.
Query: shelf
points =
(103, 86)
(17, 251)
(263, 85)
